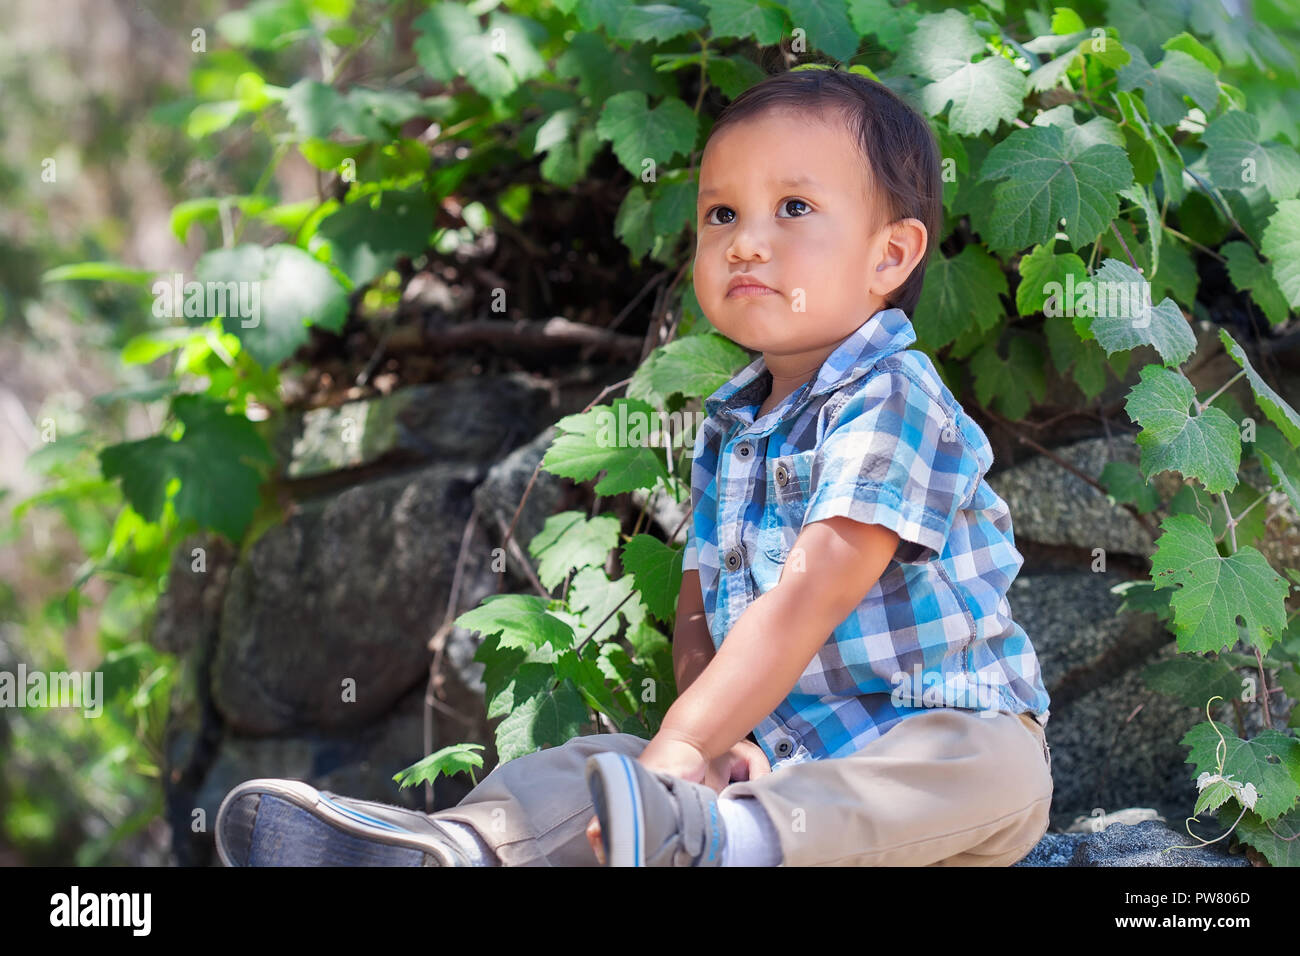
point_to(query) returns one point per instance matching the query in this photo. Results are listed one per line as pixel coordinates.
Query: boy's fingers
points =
(593, 837)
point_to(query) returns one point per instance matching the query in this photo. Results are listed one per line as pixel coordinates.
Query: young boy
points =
(843, 601)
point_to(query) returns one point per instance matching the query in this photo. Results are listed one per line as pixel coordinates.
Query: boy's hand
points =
(744, 761)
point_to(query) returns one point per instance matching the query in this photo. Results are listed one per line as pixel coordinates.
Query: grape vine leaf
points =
(1274, 405)
(592, 442)
(522, 620)
(1248, 274)
(1215, 590)
(571, 540)
(982, 94)
(657, 570)
(1046, 183)
(547, 719)
(1163, 86)
(365, 242)
(215, 460)
(695, 366)
(1237, 159)
(288, 290)
(1247, 761)
(1281, 245)
(960, 292)
(1206, 447)
(1122, 317)
(639, 133)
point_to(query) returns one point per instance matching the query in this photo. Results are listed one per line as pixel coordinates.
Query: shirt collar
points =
(886, 332)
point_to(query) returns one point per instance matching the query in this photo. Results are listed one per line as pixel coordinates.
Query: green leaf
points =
(1274, 405)
(826, 24)
(546, 720)
(1167, 157)
(293, 290)
(1014, 382)
(1068, 350)
(452, 44)
(1193, 680)
(1163, 87)
(639, 133)
(1118, 301)
(1142, 597)
(98, 272)
(216, 461)
(1143, 199)
(655, 22)
(1278, 840)
(1205, 446)
(960, 293)
(571, 540)
(1188, 44)
(1125, 483)
(1250, 275)
(694, 367)
(891, 24)
(208, 118)
(982, 94)
(593, 441)
(744, 19)
(657, 570)
(674, 206)
(458, 758)
(1247, 761)
(1046, 184)
(634, 222)
(1237, 159)
(1214, 591)
(1281, 245)
(365, 242)
(593, 597)
(521, 619)
(1282, 461)
(1043, 277)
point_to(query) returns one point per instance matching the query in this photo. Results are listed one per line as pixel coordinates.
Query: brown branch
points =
(520, 335)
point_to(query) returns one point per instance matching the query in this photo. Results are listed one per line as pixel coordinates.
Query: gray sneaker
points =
(276, 822)
(653, 819)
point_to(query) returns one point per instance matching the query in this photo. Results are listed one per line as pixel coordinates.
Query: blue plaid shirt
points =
(876, 436)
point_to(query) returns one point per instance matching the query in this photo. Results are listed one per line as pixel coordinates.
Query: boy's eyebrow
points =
(790, 181)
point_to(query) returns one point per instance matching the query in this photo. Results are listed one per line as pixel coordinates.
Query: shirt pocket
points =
(788, 481)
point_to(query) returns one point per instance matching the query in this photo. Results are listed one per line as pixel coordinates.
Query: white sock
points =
(751, 837)
(469, 840)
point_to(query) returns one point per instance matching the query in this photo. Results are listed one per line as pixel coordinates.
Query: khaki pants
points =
(944, 788)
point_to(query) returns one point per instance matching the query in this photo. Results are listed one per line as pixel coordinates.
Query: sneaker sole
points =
(613, 787)
(277, 822)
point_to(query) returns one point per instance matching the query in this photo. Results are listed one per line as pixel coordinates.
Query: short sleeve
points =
(691, 554)
(894, 456)
(704, 463)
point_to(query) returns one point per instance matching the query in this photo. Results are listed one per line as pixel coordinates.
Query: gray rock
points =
(1050, 505)
(349, 588)
(460, 420)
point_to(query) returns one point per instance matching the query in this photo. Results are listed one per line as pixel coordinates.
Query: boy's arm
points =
(692, 645)
(779, 633)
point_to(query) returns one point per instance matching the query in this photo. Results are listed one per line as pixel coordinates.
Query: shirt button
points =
(743, 449)
(733, 559)
(782, 475)
(783, 747)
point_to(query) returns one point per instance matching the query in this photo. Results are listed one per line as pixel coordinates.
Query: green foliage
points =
(1094, 148)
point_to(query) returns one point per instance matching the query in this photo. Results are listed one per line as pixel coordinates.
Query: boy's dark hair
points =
(899, 146)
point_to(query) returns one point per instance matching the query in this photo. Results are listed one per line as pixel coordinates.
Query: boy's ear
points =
(902, 244)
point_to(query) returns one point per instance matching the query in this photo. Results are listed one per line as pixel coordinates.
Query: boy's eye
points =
(785, 203)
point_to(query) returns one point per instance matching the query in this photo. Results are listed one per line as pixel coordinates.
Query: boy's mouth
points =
(740, 291)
